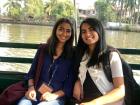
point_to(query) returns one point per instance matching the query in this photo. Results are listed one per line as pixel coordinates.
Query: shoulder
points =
(114, 56)
(113, 53)
(43, 45)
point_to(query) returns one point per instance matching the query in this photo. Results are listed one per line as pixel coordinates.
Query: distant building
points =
(85, 8)
(86, 13)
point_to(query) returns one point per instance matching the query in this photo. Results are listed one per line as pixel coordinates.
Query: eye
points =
(68, 31)
(60, 29)
(91, 29)
(83, 31)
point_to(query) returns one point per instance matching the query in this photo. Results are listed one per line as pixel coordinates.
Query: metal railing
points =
(35, 46)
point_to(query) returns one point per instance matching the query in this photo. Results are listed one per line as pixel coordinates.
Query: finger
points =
(43, 97)
(27, 95)
(32, 96)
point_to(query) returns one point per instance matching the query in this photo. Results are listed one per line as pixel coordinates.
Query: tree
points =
(104, 11)
(34, 8)
(60, 8)
(14, 9)
(138, 12)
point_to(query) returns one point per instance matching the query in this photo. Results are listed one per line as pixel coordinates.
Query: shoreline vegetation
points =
(123, 27)
(108, 26)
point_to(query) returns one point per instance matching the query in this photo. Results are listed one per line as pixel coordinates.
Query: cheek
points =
(96, 37)
(68, 35)
(83, 38)
(58, 32)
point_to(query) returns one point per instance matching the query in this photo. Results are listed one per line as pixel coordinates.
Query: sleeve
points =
(116, 65)
(69, 83)
(31, 72)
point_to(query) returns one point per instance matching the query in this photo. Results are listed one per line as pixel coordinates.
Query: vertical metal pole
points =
(75, 25)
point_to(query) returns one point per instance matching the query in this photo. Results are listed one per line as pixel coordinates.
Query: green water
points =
(39, 34)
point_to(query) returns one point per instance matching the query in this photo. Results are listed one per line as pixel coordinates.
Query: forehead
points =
(64, 25)
(85, 25)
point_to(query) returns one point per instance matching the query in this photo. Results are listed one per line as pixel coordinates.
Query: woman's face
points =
(63, 32)
(89, 35)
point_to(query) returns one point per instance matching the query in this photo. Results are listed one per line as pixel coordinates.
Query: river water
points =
(39, 34)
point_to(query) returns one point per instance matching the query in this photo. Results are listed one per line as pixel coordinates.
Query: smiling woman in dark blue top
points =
(56, 79)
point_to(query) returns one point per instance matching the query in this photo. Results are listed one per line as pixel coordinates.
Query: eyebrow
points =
(63, 27)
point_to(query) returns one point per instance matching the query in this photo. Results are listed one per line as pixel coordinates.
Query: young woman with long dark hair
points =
(56, 78)
(92, 86)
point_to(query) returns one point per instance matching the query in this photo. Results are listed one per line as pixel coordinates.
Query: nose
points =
(64, 33)
(88, 34)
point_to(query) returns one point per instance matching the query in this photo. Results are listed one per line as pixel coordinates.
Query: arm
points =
(52, 96)
(113, 96)
(31, 73)
(69, 82)
(31, 93)
(77, 91)
(118, 92)
(30, 82)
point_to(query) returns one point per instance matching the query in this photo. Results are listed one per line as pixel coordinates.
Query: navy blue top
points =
(61, 69)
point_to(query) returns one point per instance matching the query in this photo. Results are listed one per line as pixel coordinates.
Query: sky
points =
(82, 4)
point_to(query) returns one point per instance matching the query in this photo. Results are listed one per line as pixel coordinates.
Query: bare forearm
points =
(113, 96)
(30, 82)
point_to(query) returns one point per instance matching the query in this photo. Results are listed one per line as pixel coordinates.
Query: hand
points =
(31, 93)
(78, 92)
(49, 96)
(45, 88)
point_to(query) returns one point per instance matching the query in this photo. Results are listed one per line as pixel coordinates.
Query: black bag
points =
(132, 89)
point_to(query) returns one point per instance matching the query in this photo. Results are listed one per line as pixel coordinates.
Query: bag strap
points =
(40, 62)
(106, 62)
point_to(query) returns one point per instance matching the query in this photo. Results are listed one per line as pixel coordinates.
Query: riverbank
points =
(108, 26)
(122, 27)
(28, 22)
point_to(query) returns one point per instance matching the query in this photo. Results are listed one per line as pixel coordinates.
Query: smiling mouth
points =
(89, 38)
(63, 38)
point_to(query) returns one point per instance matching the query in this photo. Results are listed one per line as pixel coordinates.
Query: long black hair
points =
(53, 40)
(100, 47)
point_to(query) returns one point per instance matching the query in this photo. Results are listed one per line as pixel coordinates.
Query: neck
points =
(59, 50)
(60, 45)
(91, 49)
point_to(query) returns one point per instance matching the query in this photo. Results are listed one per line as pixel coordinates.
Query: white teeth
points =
(88, 38)
(63, 38)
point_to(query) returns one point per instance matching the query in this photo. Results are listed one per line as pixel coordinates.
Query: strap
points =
(40, 62)
(106, 62)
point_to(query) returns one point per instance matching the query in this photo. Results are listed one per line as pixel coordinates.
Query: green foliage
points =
(127, 27)
(61, 9)
(34, 8)
(13, 8)
(104, 11)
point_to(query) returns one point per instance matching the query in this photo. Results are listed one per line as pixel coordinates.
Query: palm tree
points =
(59, 8)
(13, 8)
(34, 8)
(49, 6)
(138, 12)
